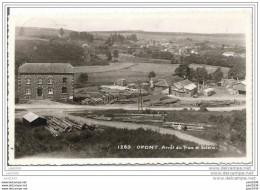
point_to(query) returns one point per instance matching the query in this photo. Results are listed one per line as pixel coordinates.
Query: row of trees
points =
(237, 65)
(109, 55)
(81, 36)
(132, 37)
(199, 74)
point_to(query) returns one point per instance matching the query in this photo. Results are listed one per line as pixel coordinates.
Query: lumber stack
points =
(185, 126)
(139, 118)
(56, 126)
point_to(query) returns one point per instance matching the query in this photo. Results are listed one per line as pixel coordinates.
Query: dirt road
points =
(121, 125)
(59, 109)
(106, 107)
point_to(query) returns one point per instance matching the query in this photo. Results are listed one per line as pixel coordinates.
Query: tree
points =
(151, 75)
(202, 74)
(61, 32)
(21, 32)
(174, 60)
(217, 75)
(115, 53)
(181, 59)
(183, 71)
(83, 78)
(238, 71)
(109, 56)
(74, 35)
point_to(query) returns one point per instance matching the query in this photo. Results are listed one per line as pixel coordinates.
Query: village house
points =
(52, 81)
(240, 87)
(184, 88)
(164, 85)
(121, 82)
(228, 83)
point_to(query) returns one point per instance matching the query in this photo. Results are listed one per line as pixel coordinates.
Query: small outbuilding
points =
(240, 87)
(31, 120)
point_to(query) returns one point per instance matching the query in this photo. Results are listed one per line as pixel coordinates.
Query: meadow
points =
(133, 72)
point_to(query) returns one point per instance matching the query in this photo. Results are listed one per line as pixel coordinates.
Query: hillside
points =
(230, 39)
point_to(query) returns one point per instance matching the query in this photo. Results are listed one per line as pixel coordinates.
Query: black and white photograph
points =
(131, 86)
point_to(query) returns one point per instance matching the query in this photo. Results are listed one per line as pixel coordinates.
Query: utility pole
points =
(140, 98)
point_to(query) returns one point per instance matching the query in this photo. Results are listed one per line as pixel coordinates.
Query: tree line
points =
(200, 74)
(81, 36)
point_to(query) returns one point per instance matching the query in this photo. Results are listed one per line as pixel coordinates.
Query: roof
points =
(168, 81)
(46, 68)
(185, 84)
(182, 84)
(30, 116)
(243, 82)
(190, 86)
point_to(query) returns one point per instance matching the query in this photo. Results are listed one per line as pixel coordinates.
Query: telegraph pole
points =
(140, 98)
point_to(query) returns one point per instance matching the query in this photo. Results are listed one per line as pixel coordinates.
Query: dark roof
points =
(46, 68)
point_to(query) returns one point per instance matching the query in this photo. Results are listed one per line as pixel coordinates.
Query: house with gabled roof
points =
(240, 87)
(184, 88)
(164, 85)
(31, 119)
(54, 81)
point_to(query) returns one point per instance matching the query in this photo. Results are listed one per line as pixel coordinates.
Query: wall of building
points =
(56, 86)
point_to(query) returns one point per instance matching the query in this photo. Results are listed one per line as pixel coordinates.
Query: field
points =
(133, 72)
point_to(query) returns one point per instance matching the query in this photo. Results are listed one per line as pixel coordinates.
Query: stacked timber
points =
(185, 126)
(139, 118)
(56, 126)
(215, 103)
(164, 102)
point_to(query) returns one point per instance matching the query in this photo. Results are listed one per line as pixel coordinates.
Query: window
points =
(28, 81)
(50, 80)
(28, 91)
(64, 90)
(64, 79)
(50, 90)
(39, 80)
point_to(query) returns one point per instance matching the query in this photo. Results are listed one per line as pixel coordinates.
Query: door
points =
(39, 93)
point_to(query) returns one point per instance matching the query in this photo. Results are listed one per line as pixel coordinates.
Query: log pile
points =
(164, 102)
(215, 103)
(139, 118)
(112, 96)
(186, 126)
(56, 126)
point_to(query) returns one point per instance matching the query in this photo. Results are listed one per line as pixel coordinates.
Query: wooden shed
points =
(31, 120)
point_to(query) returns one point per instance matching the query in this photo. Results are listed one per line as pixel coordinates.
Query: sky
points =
(157, 20)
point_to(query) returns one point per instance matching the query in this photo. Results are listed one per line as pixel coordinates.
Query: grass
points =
(109, 74)
(229, 127)
(102, 143)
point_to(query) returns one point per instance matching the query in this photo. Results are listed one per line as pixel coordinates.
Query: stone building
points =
(52, 81)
